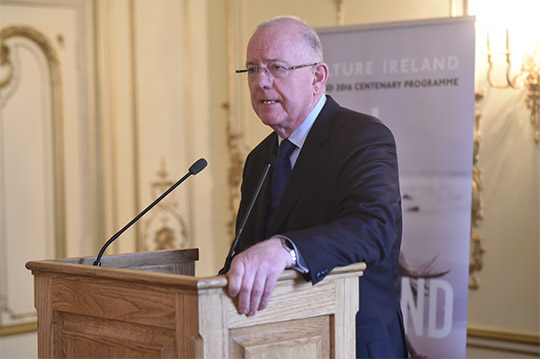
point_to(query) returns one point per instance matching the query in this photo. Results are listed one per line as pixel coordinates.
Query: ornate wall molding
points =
(234, 134)
(53, 63)
(477, 251)
(340, 12)
(9, 83)
(236, 155)
(503, 343)
(165, 228)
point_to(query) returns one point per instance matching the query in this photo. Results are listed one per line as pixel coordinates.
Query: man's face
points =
(281, 103)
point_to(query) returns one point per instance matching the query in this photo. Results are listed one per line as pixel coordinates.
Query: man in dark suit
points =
(341, 203)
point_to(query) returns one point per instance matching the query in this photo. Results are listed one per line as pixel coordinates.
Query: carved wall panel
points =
(164, 227)
(31, 164)
(43, 148)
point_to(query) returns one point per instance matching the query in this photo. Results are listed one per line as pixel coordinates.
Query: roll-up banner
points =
(418, 78)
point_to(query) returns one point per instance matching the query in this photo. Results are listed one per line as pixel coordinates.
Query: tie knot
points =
(285, 150)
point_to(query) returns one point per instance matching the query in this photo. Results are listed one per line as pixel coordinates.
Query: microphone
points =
(195, 168)
(269, 163)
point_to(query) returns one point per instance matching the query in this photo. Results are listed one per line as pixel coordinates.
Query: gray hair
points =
(306, 32)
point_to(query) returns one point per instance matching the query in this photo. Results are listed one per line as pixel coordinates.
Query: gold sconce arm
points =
(528, 77)
(533, 101)
(510, 82)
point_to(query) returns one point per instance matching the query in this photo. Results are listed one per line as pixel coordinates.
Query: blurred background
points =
(105, 104)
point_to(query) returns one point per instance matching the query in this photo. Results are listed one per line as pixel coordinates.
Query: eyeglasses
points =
(276, 70)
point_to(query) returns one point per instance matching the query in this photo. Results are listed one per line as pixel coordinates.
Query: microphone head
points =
(198, 166)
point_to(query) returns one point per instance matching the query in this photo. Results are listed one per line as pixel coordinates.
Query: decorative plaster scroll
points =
(477, 209)
(7, 69)
(236, 156)
(165, 228)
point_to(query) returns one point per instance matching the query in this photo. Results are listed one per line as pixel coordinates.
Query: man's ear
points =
(320, 76)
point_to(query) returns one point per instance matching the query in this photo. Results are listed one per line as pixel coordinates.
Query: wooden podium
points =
(151, 305)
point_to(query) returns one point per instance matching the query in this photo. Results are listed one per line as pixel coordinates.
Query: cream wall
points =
(156, 86)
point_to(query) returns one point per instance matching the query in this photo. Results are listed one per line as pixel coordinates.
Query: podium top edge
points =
(77, 270)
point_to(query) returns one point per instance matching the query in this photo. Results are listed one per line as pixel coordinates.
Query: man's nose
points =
(263, 77)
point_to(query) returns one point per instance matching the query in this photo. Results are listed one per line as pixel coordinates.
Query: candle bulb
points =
(507, 41)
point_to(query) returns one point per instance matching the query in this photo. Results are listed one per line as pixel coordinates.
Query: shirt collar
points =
(298, 137)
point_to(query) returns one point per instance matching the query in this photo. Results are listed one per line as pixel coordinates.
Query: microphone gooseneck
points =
(195, 168)
(269, 163)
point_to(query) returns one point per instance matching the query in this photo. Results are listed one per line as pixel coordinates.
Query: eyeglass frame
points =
(289, 69)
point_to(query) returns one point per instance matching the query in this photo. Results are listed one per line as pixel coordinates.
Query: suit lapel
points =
(304, 168)
(255, 226)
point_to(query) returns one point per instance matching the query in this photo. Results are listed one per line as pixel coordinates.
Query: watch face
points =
(288, 246)
(293, 256)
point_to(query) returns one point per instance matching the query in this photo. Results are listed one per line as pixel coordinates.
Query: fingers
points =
(246, 290)
(253, 275)
(268, 290)
(255, 290)
(236, 275)
(253, 297)
(262, 290)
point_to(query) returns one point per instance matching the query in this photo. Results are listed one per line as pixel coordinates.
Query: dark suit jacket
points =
(341, 205)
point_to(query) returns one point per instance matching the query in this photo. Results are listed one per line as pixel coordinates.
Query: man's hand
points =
(254, 273)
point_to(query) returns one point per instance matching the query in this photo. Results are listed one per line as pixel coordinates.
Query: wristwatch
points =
(291, 251)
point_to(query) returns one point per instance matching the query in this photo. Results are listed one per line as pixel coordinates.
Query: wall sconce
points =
(520, 19)
(528, 77)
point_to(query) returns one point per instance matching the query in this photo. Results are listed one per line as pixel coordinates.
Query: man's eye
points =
(252, 70)
(277, 68)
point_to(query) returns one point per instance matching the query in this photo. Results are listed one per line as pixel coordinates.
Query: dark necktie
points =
(280, 176)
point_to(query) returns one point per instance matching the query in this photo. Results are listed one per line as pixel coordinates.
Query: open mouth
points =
(268, 102)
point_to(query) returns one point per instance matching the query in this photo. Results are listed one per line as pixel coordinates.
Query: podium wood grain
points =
(151, 305)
